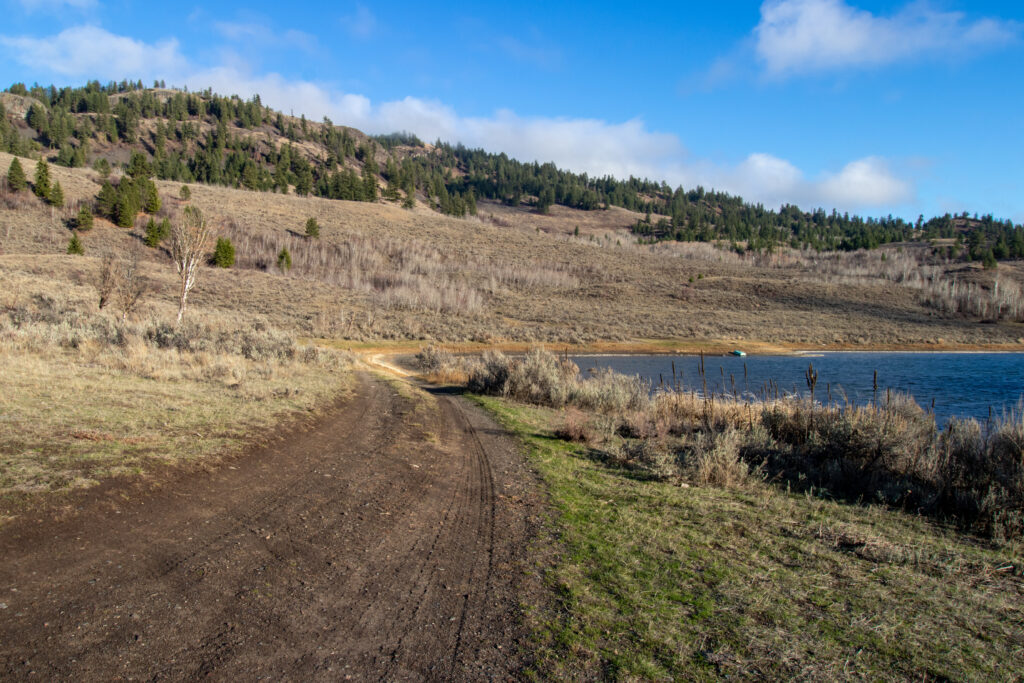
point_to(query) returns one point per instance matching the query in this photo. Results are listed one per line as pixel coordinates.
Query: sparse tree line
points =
(195, 137)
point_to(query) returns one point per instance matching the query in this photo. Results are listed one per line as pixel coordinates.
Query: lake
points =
(960, 384)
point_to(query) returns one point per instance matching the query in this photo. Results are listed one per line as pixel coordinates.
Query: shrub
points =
(431, 358)
(284, 260)
(312, 228)
(223, 253)
(75, 245)
(490, 376)
(185, 193)
(576, 427)
(716, 461)
(102, 167)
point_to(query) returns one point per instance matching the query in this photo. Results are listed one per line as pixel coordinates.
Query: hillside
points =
(205, 137)
(382, 272)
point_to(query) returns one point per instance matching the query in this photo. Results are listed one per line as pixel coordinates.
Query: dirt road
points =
(385, 542)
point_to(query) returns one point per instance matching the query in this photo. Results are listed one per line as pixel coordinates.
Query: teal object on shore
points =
(737, 352)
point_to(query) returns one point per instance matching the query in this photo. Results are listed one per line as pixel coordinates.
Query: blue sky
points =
(874, 107)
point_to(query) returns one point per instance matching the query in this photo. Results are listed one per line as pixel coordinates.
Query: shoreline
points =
(665, 347)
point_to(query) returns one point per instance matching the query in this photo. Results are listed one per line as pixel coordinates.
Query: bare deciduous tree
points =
(105, 279)
(120, 281)
(190, 240)
(130, 285)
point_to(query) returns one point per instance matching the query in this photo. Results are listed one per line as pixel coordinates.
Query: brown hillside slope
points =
(382, 272)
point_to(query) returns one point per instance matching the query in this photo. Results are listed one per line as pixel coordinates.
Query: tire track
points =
(363, 547)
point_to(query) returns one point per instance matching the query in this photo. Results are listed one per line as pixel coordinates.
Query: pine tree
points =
(84, 220)
(304, 183)
(224, 253)
(75, 245)
(106, 201)
(185, 194)
(127, 206)
(152, 198)
(56, 197)
(152, 237)
(312, 228)
(138, 167)
(42, 184)
(369, 183)
(16, 176)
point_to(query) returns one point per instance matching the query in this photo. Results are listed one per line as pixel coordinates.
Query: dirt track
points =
(386, 542)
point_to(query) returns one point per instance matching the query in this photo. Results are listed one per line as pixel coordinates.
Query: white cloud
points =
(815, 35)
(865, 182)
(261, 35)
(92, 51)
(593, 146)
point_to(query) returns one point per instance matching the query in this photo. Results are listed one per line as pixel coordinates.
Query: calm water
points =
(961, 384)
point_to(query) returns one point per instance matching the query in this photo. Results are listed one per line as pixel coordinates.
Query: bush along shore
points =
(890, 451)
(704, 537)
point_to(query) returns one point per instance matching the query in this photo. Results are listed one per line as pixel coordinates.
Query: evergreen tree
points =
(224, 253)
(56, 197)
(37, 118)
(75, 245)
(138, 167)
(304, 183)
(127, 207)
(185, 194)
(42, 184)
(84, 220)
(153, 234)
(16, 176)
(369, 183)
(152, 198)
(106, 201)
(312, 228)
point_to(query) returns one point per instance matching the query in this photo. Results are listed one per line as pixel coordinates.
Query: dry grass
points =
(88, 396)
(472, 279)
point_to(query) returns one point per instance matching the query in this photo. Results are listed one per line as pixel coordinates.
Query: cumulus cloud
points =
(866, 181)
(814, 35)
(594, 146)
(90, 50)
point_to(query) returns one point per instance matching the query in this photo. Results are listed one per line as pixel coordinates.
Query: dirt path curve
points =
(385, 543)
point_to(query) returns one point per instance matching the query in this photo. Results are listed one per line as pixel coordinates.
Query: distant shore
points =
(662, 347)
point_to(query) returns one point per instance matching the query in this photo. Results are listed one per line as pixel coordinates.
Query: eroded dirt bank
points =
(388, 542)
